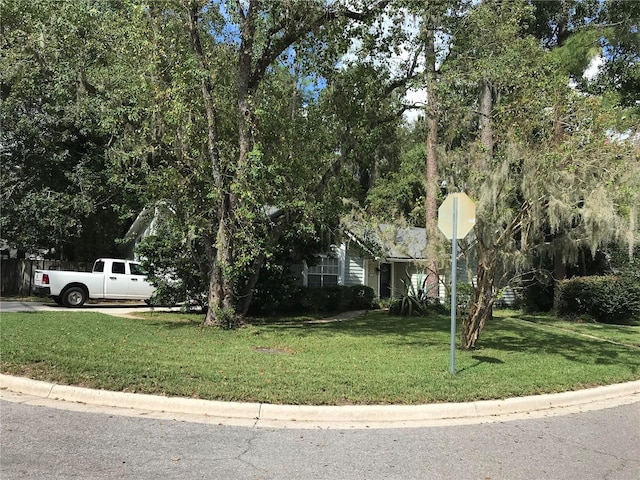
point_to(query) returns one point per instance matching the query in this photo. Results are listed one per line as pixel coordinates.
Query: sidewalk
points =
(262, 415)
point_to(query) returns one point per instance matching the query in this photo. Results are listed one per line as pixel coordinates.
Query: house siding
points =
(354, 270)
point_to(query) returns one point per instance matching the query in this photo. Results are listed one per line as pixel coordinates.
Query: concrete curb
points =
(306, 416)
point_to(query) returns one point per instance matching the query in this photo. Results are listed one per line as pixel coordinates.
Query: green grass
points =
(623, 334)
(373, 359)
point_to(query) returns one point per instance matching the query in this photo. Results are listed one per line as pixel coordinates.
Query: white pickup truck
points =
(110, 279)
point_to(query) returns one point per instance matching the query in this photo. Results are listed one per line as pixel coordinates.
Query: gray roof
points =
(390, 241)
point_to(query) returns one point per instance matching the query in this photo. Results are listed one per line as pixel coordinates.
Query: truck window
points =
(136, 269)
(117, 267)
(98, 267)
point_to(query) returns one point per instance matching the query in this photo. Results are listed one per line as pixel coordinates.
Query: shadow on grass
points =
(508, 335)
(514, 335)
(502, 334)
(401, 330)
(480, 359)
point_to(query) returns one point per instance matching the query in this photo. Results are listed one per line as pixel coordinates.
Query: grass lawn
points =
(372, 359)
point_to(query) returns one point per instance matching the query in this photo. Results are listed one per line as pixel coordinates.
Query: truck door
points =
(116, 281)
(139, 287)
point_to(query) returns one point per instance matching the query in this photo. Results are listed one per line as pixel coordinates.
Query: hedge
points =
(295, 299)
(608, 299)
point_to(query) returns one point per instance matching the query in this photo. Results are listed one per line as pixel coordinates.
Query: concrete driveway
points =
(109, 308)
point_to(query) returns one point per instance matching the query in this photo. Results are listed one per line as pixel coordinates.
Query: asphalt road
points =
(46, 443)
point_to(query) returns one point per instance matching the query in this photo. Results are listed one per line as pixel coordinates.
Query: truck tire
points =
(58, 300)
(74, 297)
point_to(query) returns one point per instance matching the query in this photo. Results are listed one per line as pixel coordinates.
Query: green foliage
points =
(361, 297)
(464, 297)
(415, 300)
(279, 292)
(176, 264)
(538, 294)
(59, 81)
(401, 191)
(609, 299)
(337, 299)
(323, 300)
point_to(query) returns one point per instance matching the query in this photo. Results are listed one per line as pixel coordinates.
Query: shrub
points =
(338, 298)
(277, 292)
(537, 291)
(287, 298)
(609, 299)
(415, 299)
(361, 297)
(322, 300)
(464, 297)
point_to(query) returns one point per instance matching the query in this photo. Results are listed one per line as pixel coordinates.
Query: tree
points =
(256, 166)
(532, 184)
(58, 80)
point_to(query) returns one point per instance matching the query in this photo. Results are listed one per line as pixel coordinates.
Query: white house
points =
(385, 257)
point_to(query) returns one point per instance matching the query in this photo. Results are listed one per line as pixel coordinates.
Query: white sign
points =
(465, 215)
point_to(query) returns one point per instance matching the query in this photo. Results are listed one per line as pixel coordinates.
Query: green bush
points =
(415, 300)
(322, 300)
(538, 296)
(464, 297)
(608, 299)
(284, 297)
(277, 293)
(338, 298)
(361, 297)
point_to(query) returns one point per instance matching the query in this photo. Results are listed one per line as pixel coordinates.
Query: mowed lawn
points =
(372, 359)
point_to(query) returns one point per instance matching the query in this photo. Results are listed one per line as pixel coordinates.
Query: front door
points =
(385, 280)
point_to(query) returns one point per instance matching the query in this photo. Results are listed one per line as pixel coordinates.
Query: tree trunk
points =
(482, 306)
(431, 195)
(486, 109)
(221, 299)
(559, 266)
(483, 295)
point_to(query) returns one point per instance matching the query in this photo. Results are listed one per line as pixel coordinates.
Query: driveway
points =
(109, 308)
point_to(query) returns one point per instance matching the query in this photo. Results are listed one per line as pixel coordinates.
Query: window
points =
(117, 267)
(324, 274)
(136, 269)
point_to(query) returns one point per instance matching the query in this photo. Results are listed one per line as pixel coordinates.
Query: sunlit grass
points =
(373, 359)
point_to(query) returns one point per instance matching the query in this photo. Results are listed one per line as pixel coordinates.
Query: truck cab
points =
(110, 278)
(123, 279)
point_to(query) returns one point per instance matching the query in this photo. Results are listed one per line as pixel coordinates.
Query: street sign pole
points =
(456, 218)
(454, 273)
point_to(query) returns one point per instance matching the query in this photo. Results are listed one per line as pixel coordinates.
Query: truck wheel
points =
(74, 297)
(58, 300)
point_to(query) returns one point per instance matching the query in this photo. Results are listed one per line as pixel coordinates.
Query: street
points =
(47, 443)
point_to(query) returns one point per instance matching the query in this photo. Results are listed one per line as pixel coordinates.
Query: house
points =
(144, 225)
(386, 258)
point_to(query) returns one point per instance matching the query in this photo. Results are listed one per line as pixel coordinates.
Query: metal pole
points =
(454, 271)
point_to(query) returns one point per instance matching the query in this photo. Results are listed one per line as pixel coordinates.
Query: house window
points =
(324, 274)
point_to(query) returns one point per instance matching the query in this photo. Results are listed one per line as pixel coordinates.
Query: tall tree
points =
(256, 165)
(531, 183)
(57, 84)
